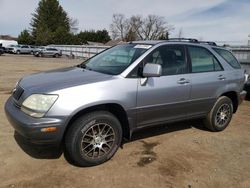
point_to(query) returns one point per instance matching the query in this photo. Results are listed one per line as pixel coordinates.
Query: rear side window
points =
(202, 60)
(228, 57)
(51, 49)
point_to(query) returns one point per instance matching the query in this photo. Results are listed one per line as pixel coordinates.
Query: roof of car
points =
(176, 40)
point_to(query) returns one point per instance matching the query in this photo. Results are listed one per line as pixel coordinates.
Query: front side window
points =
(228, 57)
(115, 60)
(202, 60)
(170, 57)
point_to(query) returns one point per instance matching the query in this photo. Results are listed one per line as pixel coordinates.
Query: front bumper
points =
(30, 127)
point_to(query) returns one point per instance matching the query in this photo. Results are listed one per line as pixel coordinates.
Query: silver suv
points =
(22, 49)
(48, 52)
(90, 108)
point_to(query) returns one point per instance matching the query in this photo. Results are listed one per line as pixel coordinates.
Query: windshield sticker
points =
(143, 46)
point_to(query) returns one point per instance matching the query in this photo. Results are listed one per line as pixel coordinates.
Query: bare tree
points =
(135, 24)
(119, 26)
(156, 26)
(152, 27)
(73, 23)
(136, 27)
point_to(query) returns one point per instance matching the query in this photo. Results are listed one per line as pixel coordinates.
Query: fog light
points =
(48, 129)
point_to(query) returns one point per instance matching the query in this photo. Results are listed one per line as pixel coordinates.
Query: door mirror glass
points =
(152, 70)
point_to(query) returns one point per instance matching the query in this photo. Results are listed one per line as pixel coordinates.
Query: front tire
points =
(220, 115)
(93, 138)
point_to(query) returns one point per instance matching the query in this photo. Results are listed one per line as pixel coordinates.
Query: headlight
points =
(37, 105)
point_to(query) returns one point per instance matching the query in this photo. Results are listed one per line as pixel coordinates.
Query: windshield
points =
(115, 60)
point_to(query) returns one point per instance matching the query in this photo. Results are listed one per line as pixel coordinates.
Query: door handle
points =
(221, 77)
(183, 81)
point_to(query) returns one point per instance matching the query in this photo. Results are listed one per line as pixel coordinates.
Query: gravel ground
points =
(174, 155)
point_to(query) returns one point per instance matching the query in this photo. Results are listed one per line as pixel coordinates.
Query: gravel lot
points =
(174, 155)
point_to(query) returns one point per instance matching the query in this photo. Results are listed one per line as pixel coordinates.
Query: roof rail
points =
(184, 39)
(193, 40)
(208, 42)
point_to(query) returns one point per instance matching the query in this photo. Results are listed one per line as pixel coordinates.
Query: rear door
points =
(47, 52)
(22, 49)
(25, 49)
(166, 97)
(51, 51)
(207, 77)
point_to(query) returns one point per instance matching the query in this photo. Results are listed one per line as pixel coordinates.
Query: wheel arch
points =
(234, 97)
(116, 109)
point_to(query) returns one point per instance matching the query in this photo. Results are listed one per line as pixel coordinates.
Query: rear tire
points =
(93, 138)
(220, 115)
(18, 52)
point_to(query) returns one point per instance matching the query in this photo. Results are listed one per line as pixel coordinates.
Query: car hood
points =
(61, 78)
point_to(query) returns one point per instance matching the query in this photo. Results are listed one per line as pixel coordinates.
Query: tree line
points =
(50, 24)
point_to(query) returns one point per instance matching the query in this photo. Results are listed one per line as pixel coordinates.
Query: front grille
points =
(17, 93)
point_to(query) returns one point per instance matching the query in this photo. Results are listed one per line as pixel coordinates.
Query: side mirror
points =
(152, 70)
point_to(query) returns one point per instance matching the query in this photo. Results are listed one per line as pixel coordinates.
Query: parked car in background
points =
(1, 50)
(247, 86)
(48, 52)
(91, 107)
(10, 49)
(36, 48)
(22, 49)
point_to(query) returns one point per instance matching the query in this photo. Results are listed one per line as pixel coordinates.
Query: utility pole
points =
(249, 40)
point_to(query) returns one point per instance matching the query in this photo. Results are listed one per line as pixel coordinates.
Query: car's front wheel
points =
(93, 138)
(56, 55)
(220, 115)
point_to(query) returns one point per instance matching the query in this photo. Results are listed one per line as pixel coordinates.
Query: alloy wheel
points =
(98, 140)
(223, 115)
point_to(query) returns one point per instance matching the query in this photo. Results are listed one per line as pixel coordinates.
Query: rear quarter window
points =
(228, 57)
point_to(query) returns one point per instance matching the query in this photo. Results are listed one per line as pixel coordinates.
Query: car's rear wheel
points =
(18, 52)
(56, 55)
(93, 138)
(220, 115)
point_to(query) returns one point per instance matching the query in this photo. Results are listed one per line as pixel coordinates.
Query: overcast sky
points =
(217, 20)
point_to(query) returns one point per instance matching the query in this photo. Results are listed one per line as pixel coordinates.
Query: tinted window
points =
(228, 57)
(171, 58)
(202, 60)
(51, 49)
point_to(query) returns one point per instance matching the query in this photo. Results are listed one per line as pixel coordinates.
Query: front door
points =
(166, 97)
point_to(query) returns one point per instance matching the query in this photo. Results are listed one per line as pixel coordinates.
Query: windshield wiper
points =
(83, 66)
